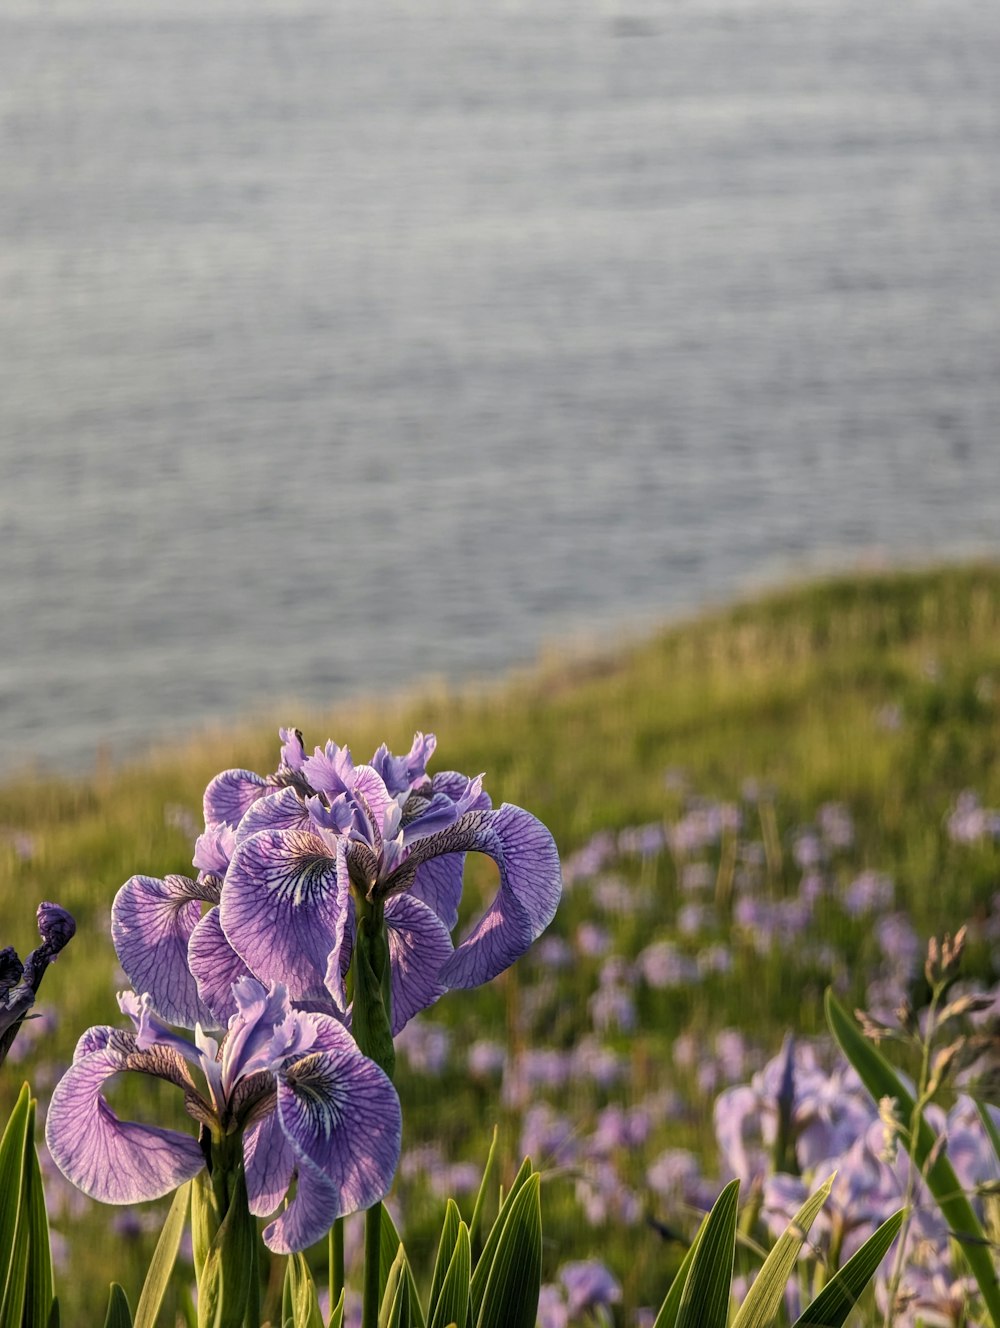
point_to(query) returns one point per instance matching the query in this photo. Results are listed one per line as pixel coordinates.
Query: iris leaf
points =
(840, 1295)
(452, 1303)
(667, 1316)
(39, 1290)
(12, 1154)
(446, 1247)
(765, 1296)
(161, 1266)
(119, 1315)
(708, 1287)
(510, 1298)
(482, 1272)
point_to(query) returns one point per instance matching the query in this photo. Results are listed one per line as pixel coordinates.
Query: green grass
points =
(792, 690)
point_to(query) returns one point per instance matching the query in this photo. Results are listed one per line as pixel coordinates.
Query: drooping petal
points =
(269, 1163)
(530, 887)
(230, 795)
(151, 924)
(284, 907)
(112, 1160)
(215, 966)
(419, 946)
(341, 1116)
(282, 810)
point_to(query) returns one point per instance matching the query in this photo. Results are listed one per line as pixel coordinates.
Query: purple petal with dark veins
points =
(282, 810)
(341, 1116)
(284, 907)
(151, 924)
(231, 794)
(419, 945)
(439, 884)
(269, 1162)
(215, 966)
(530, 887)
(112, 1160)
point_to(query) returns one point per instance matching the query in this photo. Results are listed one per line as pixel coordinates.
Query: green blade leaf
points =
(482, 1272)
(708, 1288)
(161, 1266)
(303, 1301)
(452, 1304)
(989, 1125)
(881, 1080)
(53, 1319)
(12, 1155)
(39, 1290)
(389, 1243)
(391, 1309)
(446, 1248)
(840, 1295)
(510, 1298)
(667, 1316)
(119, 1315)
(476, 1225)
(765, 1296)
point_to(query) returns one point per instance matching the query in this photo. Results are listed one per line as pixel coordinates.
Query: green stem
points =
(373, 1252)
(336, 1259)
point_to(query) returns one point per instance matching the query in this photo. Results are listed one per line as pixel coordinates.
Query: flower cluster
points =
(297, 872)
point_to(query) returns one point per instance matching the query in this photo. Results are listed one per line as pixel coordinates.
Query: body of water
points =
(344, 344)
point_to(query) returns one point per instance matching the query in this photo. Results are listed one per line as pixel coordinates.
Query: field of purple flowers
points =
(791, 797)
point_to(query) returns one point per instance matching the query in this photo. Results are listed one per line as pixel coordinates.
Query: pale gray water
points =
(346, 343)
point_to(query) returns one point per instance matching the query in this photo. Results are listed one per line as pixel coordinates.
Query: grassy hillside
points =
(879, 694)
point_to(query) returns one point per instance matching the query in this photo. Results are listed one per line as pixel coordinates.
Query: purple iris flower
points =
(308, 1104)
(285, 861)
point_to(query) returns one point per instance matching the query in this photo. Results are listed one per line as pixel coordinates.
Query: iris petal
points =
(283, 909)
(341, 1116)
(151, 925)
(283, 810)
(530, 887)
(215, 966)
(230, 795)
(419, 945)
(112, 1160)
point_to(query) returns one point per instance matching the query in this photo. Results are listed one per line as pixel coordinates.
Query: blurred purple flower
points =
(871, 892)
(589, 1285)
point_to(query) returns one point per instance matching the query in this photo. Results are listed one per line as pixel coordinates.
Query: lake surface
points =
(344, 344)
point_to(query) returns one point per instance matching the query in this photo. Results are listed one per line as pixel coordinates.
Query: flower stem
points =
(336, 1259)
(373, 1239)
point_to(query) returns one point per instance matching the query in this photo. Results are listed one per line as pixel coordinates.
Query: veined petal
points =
(151, 924)
(530, 887)
(112, 1160)
(419, 946)
(341, 1116)
(375, 800)
(215, 966)
(213, 850)
(282, 810)
(438, 884)
(283, 909)
(231, 794)
(269, 1163)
